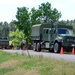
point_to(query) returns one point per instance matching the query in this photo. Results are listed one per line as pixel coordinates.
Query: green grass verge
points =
(21, 64)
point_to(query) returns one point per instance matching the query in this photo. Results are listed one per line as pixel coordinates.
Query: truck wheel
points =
(57, 47)
(34, 46)
(38, 47)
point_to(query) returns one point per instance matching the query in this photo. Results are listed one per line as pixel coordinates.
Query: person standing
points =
(23, 43)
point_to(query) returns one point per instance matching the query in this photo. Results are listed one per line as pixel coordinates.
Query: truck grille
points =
(70, 39)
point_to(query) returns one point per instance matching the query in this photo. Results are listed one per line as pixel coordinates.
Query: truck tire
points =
(38, 47)
(57, 47)
(34, 46)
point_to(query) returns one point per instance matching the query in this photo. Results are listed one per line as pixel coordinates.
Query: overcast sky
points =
(8, 8)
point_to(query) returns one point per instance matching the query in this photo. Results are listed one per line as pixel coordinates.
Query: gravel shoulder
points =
(67, 57)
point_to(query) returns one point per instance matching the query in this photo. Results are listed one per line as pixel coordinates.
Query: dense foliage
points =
(44, 14)
(4, 29)
(23, 21)
(17, 37)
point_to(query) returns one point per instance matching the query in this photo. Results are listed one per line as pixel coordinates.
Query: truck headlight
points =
(60, 39)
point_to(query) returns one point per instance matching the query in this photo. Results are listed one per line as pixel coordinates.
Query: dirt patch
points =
(10, 63)
(32, 72)
(21, 71)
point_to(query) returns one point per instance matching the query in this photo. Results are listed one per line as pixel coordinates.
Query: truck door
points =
(46, 35)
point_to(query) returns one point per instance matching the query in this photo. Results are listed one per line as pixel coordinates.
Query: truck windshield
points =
(64, 31)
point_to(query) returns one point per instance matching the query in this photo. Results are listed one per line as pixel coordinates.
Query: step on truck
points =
(52, 37)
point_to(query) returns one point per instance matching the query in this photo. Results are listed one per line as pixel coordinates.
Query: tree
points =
(1, 27)
(44, 14)
(35, 16)
(62, 22)
(4, 29)
(12, 26)
(23, 20)
(17, 36)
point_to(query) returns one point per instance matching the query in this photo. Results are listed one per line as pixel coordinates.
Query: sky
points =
(8, 8)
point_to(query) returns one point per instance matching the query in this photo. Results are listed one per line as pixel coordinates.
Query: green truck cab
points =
(52, 37)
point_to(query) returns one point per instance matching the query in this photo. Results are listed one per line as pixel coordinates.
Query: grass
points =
(21, 64)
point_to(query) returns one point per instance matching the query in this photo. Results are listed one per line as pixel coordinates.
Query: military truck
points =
(4, 42)
(52, 37)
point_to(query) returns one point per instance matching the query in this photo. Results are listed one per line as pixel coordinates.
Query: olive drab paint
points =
(52, 37)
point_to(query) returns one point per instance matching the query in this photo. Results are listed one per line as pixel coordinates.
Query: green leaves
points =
(23, 21)
(17, 36)
(44, 14)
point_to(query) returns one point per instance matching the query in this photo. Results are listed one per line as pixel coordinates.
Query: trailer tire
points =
(38, 47)
(34, 46)
(57, 47)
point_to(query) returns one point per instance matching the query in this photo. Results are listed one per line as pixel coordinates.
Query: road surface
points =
(67, 57)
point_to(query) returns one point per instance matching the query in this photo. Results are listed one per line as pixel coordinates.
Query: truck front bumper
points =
(66, 44)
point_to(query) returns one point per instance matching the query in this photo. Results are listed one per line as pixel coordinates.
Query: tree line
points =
(5, 28)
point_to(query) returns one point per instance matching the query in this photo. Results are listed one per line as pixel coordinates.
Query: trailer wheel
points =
(38, 47)
(34, 46)
(57, 47)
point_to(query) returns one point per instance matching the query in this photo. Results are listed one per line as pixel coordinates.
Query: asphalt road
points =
(67, 57)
